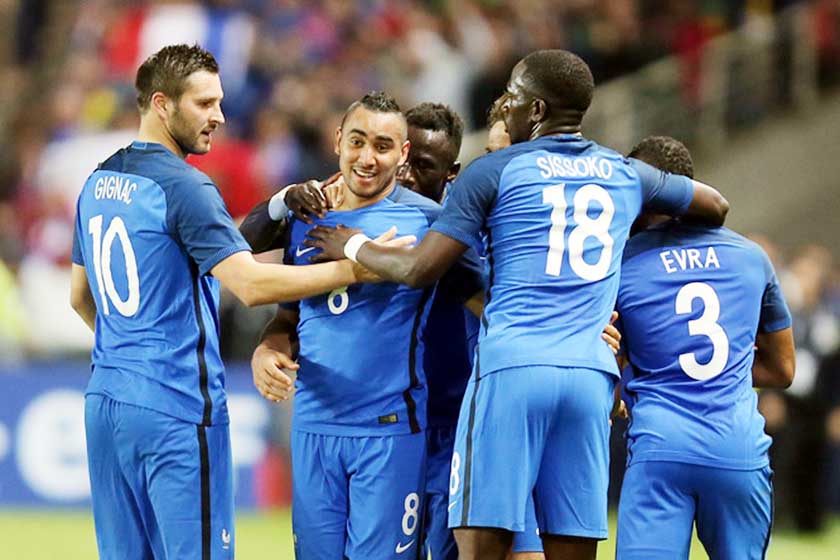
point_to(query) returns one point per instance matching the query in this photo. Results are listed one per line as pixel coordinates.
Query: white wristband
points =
(351, 248)
(277, 208)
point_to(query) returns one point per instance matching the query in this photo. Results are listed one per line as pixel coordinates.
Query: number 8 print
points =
(410, 518)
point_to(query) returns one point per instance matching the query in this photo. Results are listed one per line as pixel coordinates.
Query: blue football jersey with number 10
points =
(557, 212)
(149, 228)
(691, 301)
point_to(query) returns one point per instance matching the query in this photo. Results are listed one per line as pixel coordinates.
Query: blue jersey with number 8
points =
(557, 212)
(149, 228)
(691, 302)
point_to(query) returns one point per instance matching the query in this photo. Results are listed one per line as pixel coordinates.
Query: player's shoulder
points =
(494, 163)
(674, 233)
(412, 201)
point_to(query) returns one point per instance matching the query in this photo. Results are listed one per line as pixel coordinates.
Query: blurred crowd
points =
(289, 69)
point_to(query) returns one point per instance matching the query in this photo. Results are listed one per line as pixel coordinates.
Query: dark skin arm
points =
(417, 266)
(775, 361)
(308, 200)
(708, 206)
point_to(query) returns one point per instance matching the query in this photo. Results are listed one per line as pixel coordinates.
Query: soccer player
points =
(557, 209)
(358, 441)
(152, 240)
(704, 321)
(435, 133)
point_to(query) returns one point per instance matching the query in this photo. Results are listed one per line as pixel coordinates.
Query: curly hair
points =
(665, 153)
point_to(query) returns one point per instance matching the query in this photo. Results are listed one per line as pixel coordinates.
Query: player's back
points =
(361, 347)
(560, 210)
(156, 332)
(691, 302)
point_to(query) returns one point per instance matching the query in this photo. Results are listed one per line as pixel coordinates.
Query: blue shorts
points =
(438, 541)
(661, 501)
(357, 497)
(161, 487)
(549, 427)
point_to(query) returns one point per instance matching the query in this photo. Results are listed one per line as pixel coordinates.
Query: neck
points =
(564, 122)
(152, 130)
(352, 201)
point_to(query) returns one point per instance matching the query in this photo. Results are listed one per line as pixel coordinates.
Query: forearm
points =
(271, 283)
(280, 336)
(262, 232)
(399, 265)
(255, 283)
(769, 377)
(774, 363)
(707, 207)
(87, 311)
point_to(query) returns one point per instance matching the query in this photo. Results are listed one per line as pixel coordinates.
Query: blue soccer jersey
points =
(557, 212)
(361, 347)
(691, 302)
(149, 228)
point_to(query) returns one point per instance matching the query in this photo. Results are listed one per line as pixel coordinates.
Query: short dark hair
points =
(377, 101)
(168, 69)
(665, 153)
(561, 77)
(437, 116)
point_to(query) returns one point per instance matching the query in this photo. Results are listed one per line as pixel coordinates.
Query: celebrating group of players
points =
(455, 382)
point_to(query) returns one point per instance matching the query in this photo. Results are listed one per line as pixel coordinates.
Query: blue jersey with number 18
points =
(691, 301)
(149, 228)
(557, 212)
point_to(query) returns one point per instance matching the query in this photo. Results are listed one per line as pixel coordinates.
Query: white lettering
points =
(546, 168)
(688, 259)
(694, 259)
(584, 167)
(711, 259)
(114, 188)
(667, 262)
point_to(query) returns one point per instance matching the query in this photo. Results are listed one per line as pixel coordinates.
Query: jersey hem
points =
(217, 419)
(652, 457)
(355, 431)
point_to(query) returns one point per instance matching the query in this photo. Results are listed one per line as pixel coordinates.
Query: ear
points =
(453, 171)
(338, 141)
(539, 110)
(404, 152)
(160, 103)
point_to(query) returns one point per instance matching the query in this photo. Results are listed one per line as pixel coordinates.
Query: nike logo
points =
(299, 252)
(403, 547)
(452, 505)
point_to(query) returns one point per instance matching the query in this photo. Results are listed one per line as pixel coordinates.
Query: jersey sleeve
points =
(470, 202)
(197, 217)
(663, 192)
(464, 279)
(775, 314)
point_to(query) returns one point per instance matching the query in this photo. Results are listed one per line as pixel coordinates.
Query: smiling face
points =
(431, 162)
(371, 146)
(192, 119)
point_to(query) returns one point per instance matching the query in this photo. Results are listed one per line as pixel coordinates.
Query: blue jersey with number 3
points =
(691, 302)
(556, 212)
(149, 228)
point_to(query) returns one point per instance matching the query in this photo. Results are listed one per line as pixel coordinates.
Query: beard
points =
(185, 135)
